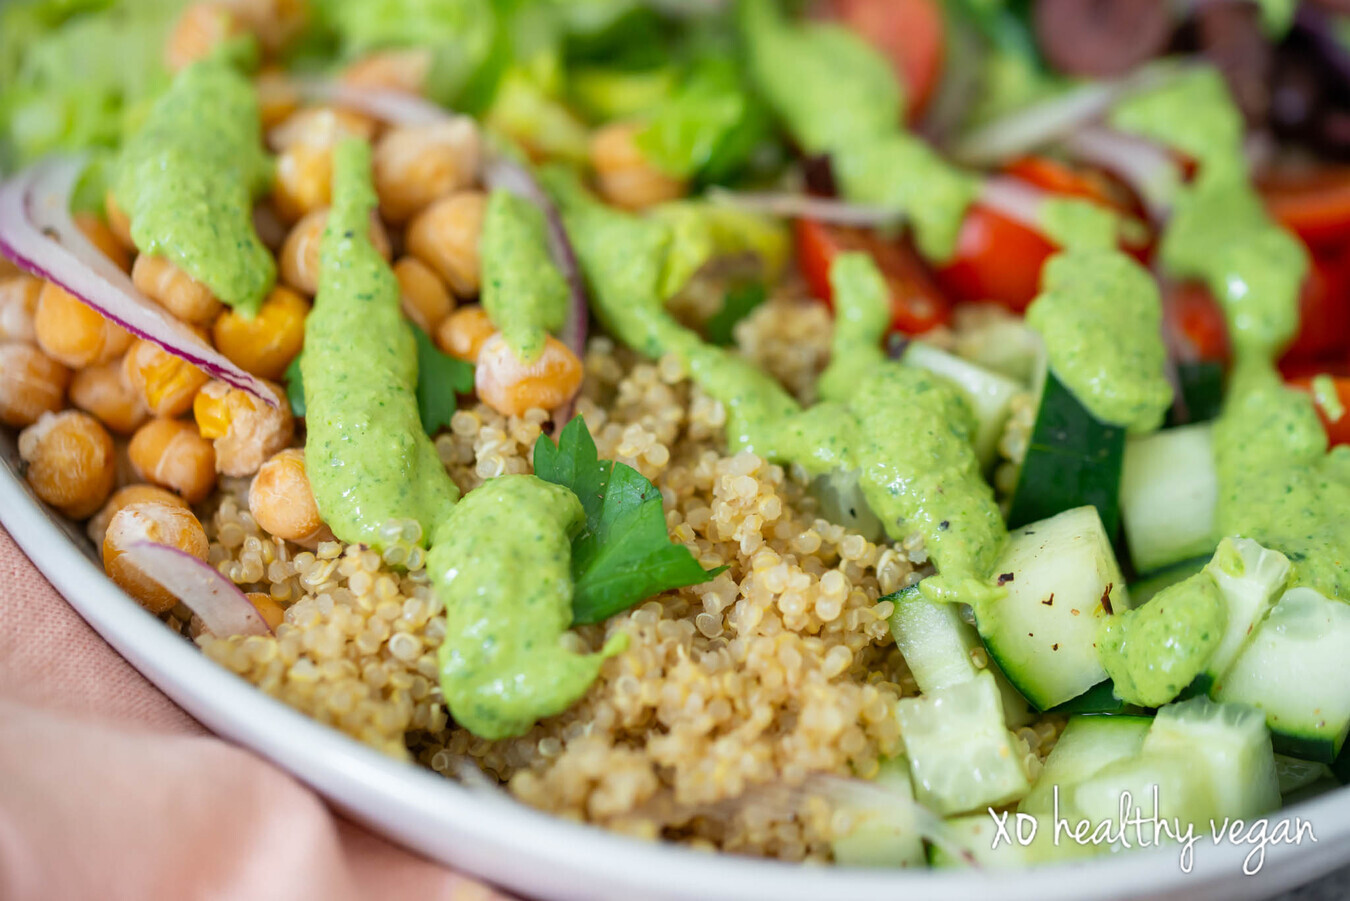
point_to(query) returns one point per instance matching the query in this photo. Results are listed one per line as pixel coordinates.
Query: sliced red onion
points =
(1055, 119)
(1015, 199)
(502, 172)
(395, 107)
(1146, 167)
(224, 609)
(787, 205)
(38, 234)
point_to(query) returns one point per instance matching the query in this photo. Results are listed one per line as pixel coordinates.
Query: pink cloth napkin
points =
(108, 790)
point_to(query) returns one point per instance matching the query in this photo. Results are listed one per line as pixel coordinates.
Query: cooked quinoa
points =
(729, 691)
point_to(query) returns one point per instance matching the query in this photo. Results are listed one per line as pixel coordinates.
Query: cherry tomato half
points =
(1313, 205)
(916, 303)
(1324, 310)
(1196, 322)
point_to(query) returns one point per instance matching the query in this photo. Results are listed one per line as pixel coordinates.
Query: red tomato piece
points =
(916, 303)
(996, 259)
(1324, 310)
(1196, 322)
(1315, 206)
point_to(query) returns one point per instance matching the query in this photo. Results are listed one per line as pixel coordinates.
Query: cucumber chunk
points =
(1168, 492)
(1250, 578)
(1295, 774)
(1233, 746)
(1072, 459)
(1061, 578)
(970, 842)
(1166, 784)
(1100, 698)
(990, 395)
(1201, 399)
(1087, 745)
(1295, 668)
(884, 836)
(961, 755)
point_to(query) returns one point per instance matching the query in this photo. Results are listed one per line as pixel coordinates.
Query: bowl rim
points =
(494, 837)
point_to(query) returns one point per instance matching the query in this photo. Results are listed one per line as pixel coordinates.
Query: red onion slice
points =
(38, 234)
(1055, 119)
(394, 107)
(805, 206)
(1146, 167)
(1015, 199)
(222, 606)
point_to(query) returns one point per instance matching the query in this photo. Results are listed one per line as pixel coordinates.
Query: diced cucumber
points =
(884, 836)
(1250, 578)
(1072, 459)
(1004, 345)
(1182, 792)
(969, 841)
(1295, 774)
(1233, 745)
(1146, 588)
(1296, 669)
(1088, 744)
(1060, 577)
(1100, 698)
(961, 755)
(940, 648)
(1201, 385)
(1168, 491)
(990, 395)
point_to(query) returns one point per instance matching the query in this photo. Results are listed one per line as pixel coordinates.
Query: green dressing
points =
(524, 294)
(188, 178)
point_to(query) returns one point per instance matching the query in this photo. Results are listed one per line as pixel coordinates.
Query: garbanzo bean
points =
(97, 526)
(463, 333)
(282, 501)
(104, 392)
(299, 259)
(31, 384)
(272, 613)
(391, 70)
(118, 220)
(445, 237)
(304, 170)
(244, 430)
(266, 344)
(73, 333)
(18, 306)
(275, 22)
(69, 459)
(511, 387)
(623, 175)
(171, 453)
(198, 32)
(150, 521)
(278, 97)
(165, 383)
(102, 236)
(424, 297)
(416, 165)
(175, 290)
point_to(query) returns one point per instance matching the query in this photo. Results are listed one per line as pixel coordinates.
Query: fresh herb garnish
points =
(738, 303)
(624, 554)
(440, 379)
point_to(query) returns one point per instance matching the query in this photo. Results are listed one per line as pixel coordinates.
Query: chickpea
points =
(103, 237)
(175, 290)
(118, 220)
(266, 344)
(97, 527)
(463, 333)
(320, 126)
(623, 175)
(105, 392)
(171, 453)
(416, 165)
(73, 333)
(278, 97)
(275, 22)
(304, 171)
(70, 462)
(272, 613)
(245, 430)
(282, 502)
(160, 523)
(511, 387)
(391, 70)
(425, 299)
(165, 383)
(31, 384)
(445, 237)
(200, 30)
(18, 306)
(299, 259)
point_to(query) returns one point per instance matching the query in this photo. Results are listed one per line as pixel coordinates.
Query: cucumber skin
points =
(1073, 459)
(1201, 386)
(1100, 699)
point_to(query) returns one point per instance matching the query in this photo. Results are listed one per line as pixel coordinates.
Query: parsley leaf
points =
(295, 387)
(738, 303)
(623, 554)
(440, 379)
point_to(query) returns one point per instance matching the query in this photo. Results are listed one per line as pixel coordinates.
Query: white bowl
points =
(493, 837)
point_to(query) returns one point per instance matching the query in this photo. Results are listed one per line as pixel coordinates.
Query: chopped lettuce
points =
(702, 232)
